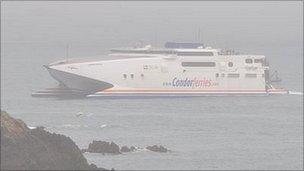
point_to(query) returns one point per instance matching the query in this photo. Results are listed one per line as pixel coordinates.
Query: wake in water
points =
(296, 93)
(81, 114)
(73, 126)
(103, 126)
(32, 127)
(77, 126)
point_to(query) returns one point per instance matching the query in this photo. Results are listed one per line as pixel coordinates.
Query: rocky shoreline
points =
(23, 148)
(36, 149)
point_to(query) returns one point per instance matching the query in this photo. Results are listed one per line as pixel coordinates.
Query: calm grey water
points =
(202, 132)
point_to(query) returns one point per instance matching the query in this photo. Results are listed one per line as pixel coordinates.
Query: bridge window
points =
(132, 76)
(125, 76)
(248, 61)
(198, 64)
(233, 75)
(195, 53)
(258, 60)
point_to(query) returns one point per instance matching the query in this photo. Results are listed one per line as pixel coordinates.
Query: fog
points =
(44, 30)
(231, 132)
(239, 25)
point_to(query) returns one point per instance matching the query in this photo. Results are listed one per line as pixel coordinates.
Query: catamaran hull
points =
(96, 88)
(77, 82)
(194, 72)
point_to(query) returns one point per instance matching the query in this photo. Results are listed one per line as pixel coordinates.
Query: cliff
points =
(36, 149)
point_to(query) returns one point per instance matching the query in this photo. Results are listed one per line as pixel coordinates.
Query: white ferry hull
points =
(183, 74)
(78, 82)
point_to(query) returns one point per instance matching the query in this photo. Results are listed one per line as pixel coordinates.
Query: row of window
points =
(212, 64)
(250, 61)
(125, 76)
(195, 53)
(229, 75)
(198, 64)
(202, 64)
(237, 75)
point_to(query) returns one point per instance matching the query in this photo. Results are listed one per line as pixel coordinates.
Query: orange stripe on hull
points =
(210, 91)
(170, 90)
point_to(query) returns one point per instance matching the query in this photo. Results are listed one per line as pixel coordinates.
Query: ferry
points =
(178, 69)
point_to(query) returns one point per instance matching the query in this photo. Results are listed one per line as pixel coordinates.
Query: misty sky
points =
(223, 24)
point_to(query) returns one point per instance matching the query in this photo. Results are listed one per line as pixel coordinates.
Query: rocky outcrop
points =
(156, 148)
(112, 148)
(103, 147)
(132, 148)
(125, 149)
(36, 149)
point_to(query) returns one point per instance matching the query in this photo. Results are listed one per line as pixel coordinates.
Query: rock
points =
(103, 147)
(36, 149)
(132, 148)
(125, 149)
(156, 148)
(84, 150)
